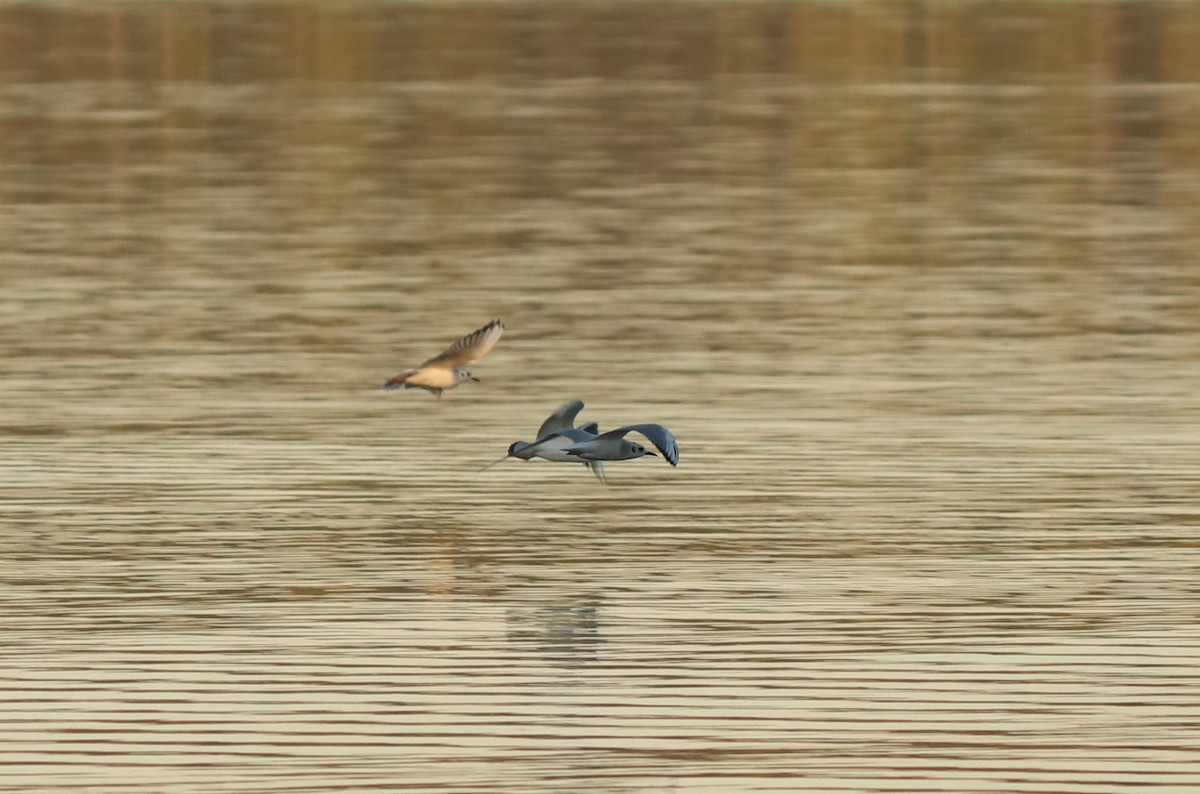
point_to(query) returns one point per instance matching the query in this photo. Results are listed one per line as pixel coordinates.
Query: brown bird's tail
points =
(397, 382)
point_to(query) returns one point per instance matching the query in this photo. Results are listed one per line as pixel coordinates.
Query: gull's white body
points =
(554, 436)
(445, 370)
(551, 448)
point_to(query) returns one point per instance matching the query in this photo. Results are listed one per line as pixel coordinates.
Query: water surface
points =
(914, 284)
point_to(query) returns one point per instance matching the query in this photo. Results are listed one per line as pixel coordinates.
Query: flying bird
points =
(614, 446)
(445, 370)
(555, 434)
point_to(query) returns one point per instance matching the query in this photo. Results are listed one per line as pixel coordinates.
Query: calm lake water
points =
(915, 284)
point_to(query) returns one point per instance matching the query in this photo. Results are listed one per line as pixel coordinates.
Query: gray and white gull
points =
(557, 433)
(559, 440)
(614, 446)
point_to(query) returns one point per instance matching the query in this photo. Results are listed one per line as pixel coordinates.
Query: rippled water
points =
(914, 285)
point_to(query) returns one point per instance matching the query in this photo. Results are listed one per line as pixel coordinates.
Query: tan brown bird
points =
(445, 370)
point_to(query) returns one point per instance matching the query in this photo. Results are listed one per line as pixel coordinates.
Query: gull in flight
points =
(558, 440)
(614, 446)
(445, 370)
(555, 434)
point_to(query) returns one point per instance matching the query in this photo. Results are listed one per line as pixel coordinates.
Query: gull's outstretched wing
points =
(658, 435)
(471, 347)
(562, 419)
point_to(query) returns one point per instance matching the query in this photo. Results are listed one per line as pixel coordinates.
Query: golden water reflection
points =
(913, 284)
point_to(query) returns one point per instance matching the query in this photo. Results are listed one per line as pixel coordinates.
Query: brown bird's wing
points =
(471, 347)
